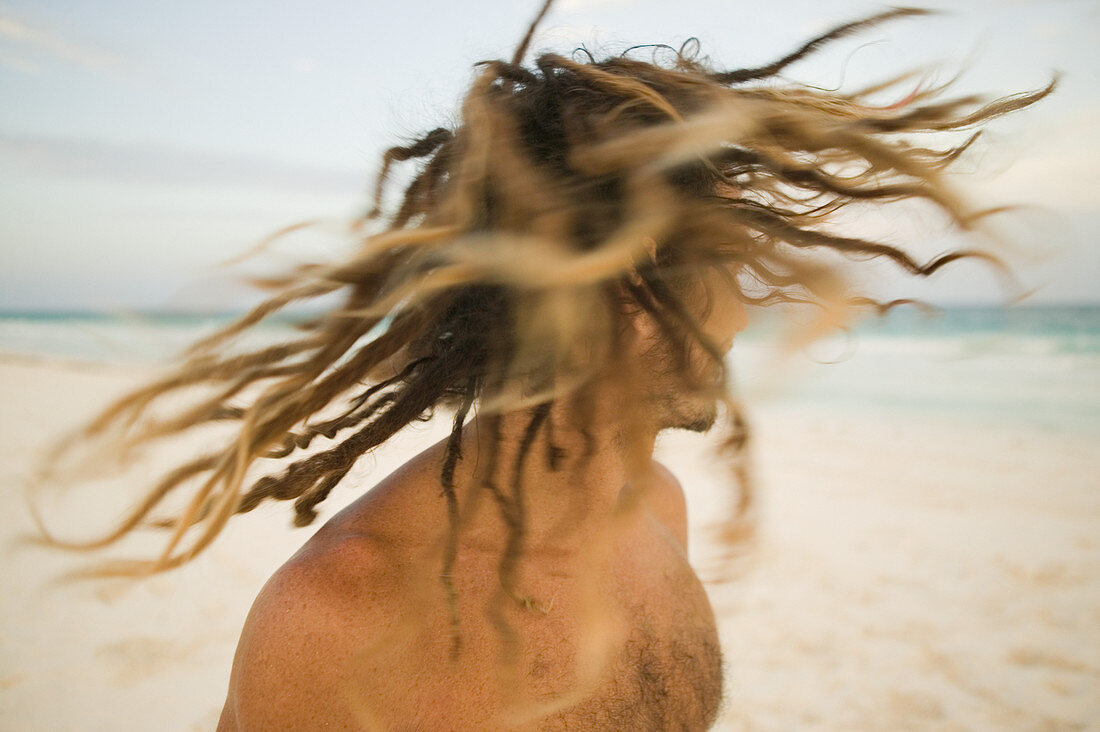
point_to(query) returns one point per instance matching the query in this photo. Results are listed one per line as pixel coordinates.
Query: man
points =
(613, 631)
(566, 270)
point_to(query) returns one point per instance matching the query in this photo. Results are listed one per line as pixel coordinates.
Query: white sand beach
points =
(913, 572)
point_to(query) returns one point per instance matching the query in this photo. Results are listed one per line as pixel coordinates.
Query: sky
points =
(142, 144)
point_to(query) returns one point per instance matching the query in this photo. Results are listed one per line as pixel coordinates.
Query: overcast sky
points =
(141, 143)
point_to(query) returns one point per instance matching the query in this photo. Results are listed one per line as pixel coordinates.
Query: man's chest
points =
(632, 646)
(661, 679)
(668, 669)
(643, 656)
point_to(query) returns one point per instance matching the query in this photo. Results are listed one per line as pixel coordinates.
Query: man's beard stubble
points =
(691, 413)
(679, 405)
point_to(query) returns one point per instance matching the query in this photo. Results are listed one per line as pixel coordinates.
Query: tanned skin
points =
(613, 629)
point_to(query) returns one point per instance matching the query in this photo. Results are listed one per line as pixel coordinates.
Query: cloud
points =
(20, 37)
(19, 62)
(1056, 168)
(156, 165)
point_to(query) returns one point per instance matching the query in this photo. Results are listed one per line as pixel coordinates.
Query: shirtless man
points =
(353, 632)
(566, 270)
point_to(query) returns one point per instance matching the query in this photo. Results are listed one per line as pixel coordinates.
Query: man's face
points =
(721, 317)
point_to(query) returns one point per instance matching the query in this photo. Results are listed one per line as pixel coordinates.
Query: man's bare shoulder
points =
(336, 597)
(335, 571)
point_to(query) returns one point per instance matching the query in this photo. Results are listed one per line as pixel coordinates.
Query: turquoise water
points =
(109, 338)
(1033, 365)
(1038, 366)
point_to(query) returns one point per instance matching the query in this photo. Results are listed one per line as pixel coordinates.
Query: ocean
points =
(1037, 366)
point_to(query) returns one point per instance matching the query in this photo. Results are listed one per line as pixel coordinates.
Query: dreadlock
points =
(567, 188)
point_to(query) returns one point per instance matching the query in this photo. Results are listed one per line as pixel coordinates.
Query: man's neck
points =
(571, 477)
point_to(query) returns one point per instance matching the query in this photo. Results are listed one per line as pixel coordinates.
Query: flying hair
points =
(570, 196)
